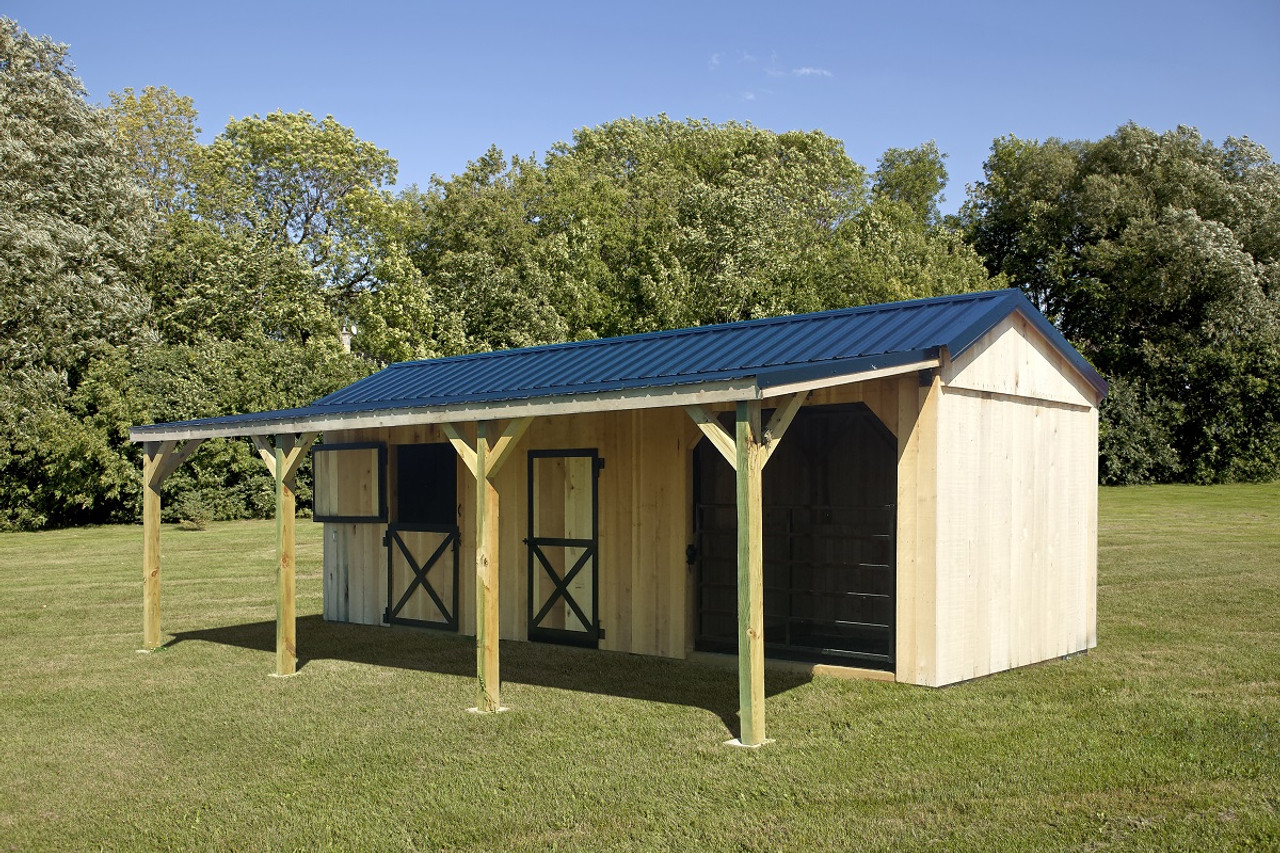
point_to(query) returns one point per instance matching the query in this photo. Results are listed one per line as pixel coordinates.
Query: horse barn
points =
(906, 491)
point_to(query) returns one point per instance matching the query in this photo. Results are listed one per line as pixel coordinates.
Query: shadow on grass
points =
(617, 674)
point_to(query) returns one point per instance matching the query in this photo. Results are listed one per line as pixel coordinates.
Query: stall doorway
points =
(829, 519)
(422, 576)
(422, 539)
(563, 545)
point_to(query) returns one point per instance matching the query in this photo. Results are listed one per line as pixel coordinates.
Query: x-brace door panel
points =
(422, 575)
(563, 546)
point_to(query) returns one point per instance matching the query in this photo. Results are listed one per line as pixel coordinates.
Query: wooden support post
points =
(747, 452)
(283, 462)
(483, 461)
(487, 627)
(750, 463)
(286, 592)
(159, 460)
(151, 460)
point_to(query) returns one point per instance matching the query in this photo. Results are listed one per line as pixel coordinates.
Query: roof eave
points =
(808, 377)
(283, 422)
(771, 383)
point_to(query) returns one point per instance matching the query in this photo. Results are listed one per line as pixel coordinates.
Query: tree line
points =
(146, 276)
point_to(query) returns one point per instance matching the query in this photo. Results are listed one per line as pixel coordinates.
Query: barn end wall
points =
(1017, 498)
(645, 504)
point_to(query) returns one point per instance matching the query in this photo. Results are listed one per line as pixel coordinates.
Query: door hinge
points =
(600, 632)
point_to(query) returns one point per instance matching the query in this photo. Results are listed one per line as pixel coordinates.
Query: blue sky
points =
(436, 84)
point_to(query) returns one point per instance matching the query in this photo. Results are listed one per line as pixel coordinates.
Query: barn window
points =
(350, 482)
(427, 484)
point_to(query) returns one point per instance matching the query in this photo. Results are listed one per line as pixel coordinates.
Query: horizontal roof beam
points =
(783, 384)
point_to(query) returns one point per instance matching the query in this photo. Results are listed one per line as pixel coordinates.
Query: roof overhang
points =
(773, 383)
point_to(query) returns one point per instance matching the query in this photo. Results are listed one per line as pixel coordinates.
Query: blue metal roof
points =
(772, 352)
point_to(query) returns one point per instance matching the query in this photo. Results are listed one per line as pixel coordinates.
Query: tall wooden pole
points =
(748, 451)
(749, 464)
(286, 603)
(151, 544)
(487, 630)
(483, 462)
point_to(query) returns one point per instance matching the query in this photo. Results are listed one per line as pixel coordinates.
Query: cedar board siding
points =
(1017, 509)
(646, 585)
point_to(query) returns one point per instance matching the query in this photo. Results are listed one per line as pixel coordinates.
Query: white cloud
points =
(714, 62)
(773, 69)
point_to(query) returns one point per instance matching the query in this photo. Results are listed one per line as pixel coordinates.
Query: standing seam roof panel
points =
(806, 345)
(731, 349)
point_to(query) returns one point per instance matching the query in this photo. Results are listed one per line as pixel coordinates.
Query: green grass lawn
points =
(1166, 737)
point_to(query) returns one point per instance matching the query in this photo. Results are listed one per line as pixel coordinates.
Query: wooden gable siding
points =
(1014, 359)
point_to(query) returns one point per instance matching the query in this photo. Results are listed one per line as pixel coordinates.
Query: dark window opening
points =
(426, 484)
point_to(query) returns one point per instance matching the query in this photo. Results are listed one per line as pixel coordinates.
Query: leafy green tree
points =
(1156, 254)
(72, 226)
(915, 177)
(475, 251)
(157, 129)
(1136, 436)
(292, 181)
(71, 221)
(271, 230)
(205, 377)
(643, 224)
(133, 292)
(224, 282)
(682, 223)
(888, 253)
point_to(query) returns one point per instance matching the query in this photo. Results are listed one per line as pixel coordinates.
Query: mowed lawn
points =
(1166, 737)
